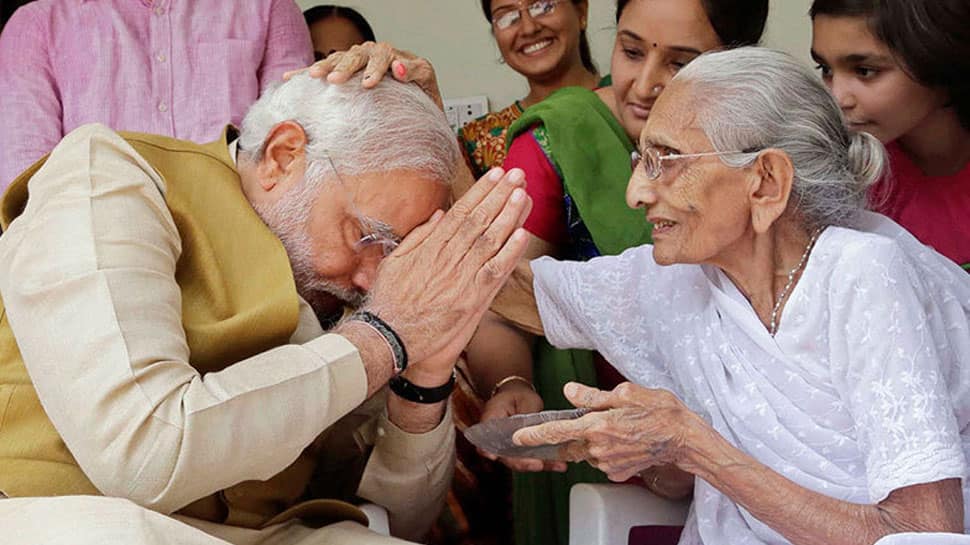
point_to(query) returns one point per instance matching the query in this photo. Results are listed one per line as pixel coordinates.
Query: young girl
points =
(899, 70)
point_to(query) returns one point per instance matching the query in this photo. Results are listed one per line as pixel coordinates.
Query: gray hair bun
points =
(867, 159)
(756, 98)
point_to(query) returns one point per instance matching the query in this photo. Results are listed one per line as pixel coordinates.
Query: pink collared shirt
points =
(181, 68)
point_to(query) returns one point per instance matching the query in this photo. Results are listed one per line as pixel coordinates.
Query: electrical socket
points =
(464, 109)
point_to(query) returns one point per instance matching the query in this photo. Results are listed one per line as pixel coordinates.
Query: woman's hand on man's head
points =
(376, 59)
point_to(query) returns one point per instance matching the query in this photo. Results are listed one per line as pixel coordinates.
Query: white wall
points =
(454, 35)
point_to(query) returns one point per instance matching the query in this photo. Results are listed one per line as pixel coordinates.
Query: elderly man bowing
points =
(162, 368)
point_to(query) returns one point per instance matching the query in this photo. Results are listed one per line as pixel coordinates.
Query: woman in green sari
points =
(575, 150)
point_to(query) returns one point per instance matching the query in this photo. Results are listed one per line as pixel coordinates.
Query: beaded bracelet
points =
(394, 342)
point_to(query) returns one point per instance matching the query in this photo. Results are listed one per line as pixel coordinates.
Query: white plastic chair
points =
(377, 517)
(603, 514)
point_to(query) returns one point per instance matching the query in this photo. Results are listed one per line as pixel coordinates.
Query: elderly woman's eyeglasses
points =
(374, 232)
(653, 161)
(510, 18)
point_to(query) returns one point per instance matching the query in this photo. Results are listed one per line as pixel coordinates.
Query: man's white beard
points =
(288, 219)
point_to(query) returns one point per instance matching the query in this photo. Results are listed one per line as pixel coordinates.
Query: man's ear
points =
(284, 152)
(770, 188)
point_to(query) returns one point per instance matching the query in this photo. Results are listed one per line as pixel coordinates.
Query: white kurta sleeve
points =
(886, 365)
(409, 474)
(619, 306)
(87, 275)
(558, 290)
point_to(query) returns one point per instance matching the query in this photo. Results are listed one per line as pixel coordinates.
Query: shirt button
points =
(162, 107)
(159, 10)
(160, 57)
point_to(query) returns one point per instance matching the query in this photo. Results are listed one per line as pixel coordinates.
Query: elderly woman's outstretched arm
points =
(633, 428)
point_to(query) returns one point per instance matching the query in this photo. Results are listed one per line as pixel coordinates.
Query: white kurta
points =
(864, 389)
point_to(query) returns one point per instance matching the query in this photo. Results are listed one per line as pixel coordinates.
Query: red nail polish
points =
(400, 70)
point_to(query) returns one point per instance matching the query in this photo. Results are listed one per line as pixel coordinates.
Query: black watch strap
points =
(398, 352)
(406, 389)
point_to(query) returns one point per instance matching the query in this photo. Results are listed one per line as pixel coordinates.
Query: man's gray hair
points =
(393, 126)
(754, 98)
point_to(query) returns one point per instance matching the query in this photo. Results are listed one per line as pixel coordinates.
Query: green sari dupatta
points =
(540, 501)
(591, 152)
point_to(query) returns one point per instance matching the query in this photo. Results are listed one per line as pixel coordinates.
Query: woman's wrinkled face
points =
(540, 47)
(875, 93)
(699, 206)
(654, 40)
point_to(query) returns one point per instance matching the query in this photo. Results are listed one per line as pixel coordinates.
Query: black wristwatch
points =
(406, 389)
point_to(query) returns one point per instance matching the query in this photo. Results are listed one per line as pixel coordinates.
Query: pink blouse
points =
(547, 220)
(934, 208)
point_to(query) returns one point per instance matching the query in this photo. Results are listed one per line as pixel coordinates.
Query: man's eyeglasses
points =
(507, 19)
(652, 160)
(374, 232)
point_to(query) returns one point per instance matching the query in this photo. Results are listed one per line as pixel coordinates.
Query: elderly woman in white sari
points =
(800, 365)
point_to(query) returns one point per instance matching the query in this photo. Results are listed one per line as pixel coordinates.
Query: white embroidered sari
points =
(864, 389)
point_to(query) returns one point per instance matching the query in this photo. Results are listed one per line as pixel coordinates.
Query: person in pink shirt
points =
(173, 67)
(7, 8)
(898, 69)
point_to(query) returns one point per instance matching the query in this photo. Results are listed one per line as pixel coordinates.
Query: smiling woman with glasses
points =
(510, 15)
(546, 42)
